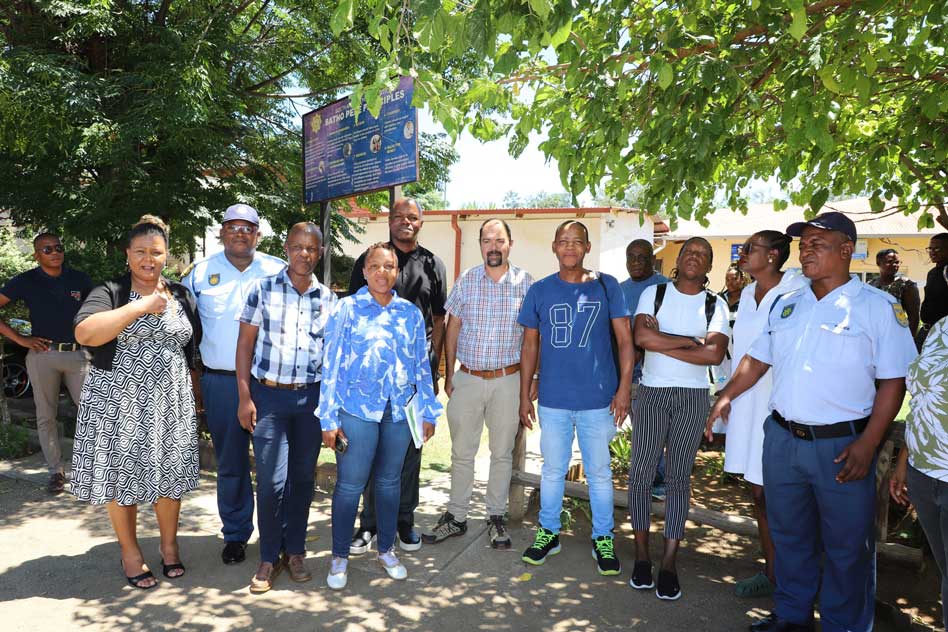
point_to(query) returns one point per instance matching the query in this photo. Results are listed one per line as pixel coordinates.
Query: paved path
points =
(60, 571)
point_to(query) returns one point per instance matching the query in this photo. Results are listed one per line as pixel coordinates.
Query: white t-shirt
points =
(681, 314)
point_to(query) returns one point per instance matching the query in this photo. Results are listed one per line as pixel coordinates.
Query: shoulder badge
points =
(76, 295)
(787, 310)
(214, 279)
(900, 314)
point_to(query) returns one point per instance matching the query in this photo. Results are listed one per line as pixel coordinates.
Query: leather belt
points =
(830, 431)
(287, 387)
(489, 375)
(220, 372)
(64, 346)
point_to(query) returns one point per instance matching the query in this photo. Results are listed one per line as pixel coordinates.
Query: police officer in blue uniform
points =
(221, 283)
(839, 350)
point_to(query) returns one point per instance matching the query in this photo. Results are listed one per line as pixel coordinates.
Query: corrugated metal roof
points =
(729, 223)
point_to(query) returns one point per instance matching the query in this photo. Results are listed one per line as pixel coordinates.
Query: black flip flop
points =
(136, 582)
(167, 568)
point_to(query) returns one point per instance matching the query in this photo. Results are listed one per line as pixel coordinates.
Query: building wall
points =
(915, 262)
(532, 240)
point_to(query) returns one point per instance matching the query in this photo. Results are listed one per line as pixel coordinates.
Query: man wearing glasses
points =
(52, 293)
(221, 284)
(935, 305)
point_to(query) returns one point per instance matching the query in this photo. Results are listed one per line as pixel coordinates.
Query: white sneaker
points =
(338, 573)
(394, 568)
(362, 543)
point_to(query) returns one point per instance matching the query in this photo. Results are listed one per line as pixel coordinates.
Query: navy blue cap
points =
(826, 221)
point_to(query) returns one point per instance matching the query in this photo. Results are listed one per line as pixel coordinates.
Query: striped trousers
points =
(672, 418)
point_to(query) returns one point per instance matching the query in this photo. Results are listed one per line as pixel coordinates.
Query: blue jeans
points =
(930, 497)
(286, 444)
(594, 429)
(231, 447)
(376, 448)
(812, 517)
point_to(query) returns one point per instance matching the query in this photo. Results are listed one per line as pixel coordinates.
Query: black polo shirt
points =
(53, 301)
(935, 305)
(421, 279)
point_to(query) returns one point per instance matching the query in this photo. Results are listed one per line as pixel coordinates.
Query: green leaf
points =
(869, 62)
(798, 23)
(819, 199)
(561, 34)
(755, 4)
(876, 204)
(828, 77)
(541, 7)
(665, 76)
(342, 17)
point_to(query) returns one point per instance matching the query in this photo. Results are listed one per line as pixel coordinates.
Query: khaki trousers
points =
(474, 402)
(47, 371)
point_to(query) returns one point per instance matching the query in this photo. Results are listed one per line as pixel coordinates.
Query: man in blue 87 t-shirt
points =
(569, 315)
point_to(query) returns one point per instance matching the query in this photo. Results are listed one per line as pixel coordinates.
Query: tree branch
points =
(162, 12)
(271, 80)
(304, 95)
(256, 16)
(682, 53)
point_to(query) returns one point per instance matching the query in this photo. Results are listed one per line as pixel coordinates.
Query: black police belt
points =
(830, 431)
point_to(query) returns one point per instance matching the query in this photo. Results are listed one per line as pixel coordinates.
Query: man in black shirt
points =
(423, 281)
(935, 305)
(53, 294)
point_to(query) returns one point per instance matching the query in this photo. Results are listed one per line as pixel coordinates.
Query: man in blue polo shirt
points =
(570, 315)
(221, 284)
(53, 293)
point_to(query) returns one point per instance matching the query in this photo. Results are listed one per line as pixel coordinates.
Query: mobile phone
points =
(342, 444)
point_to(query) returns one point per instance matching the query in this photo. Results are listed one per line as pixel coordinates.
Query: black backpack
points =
(612, 334)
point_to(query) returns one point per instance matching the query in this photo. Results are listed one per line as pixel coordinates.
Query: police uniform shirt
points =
(826, 354)
(52, 301)
(221, 291)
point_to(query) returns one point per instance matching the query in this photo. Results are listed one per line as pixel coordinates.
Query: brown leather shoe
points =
(56, 484)
(258, 585)
(296, 567)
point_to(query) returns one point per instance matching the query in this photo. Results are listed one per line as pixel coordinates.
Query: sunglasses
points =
(241, 230)
(748, 248)
(48, 250)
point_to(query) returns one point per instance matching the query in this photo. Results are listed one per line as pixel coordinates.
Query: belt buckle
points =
(799, 431)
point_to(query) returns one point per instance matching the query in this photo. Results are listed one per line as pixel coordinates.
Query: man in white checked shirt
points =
(279, 366)
(483, 334)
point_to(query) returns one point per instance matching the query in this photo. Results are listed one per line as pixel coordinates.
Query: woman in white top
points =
(761, 257)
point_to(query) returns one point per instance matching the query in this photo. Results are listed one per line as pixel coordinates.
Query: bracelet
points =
(536, 376)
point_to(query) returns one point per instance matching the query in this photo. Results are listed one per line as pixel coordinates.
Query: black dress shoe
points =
(771, 623)
(234, 552)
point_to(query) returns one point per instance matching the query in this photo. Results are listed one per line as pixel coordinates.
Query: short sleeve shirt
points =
(577, 370)
(926, 429)
(52, 301)
(221, 291)
(826, 354)
(490, 337)
(682, 315)
(422, 280)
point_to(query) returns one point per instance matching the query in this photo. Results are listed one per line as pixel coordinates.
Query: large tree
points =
(693, 100)
(111, 109)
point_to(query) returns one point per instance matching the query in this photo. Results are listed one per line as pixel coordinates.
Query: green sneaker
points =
(604, 553)
(546, 543)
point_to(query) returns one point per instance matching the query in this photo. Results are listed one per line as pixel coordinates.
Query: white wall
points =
(532, 240)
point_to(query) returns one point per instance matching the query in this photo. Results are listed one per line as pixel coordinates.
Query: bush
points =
(14, 442)
(13, 261)
(621, 451)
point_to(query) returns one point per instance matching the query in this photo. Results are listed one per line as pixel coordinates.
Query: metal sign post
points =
(325, 212)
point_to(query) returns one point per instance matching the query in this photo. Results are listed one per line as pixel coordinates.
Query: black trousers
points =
(408, 502)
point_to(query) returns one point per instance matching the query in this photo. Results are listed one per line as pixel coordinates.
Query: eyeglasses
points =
(48, 250)
(932, 249)
(237, 229)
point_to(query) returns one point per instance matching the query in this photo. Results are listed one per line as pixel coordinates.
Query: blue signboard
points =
(343, 156)
(736, 252)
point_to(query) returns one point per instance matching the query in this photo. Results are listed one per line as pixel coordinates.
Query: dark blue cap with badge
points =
(826, 221)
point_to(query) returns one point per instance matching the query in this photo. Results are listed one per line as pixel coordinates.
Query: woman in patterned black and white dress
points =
(136, 431)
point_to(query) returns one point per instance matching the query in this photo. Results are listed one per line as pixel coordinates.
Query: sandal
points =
(136, 582)
(167, 568)
(756, 586)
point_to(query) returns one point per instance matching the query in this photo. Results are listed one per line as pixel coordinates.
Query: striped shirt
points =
(289, 347)
(490, 336)
(376, 354)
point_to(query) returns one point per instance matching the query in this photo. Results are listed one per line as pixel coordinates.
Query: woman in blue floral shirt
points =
(375, 367)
